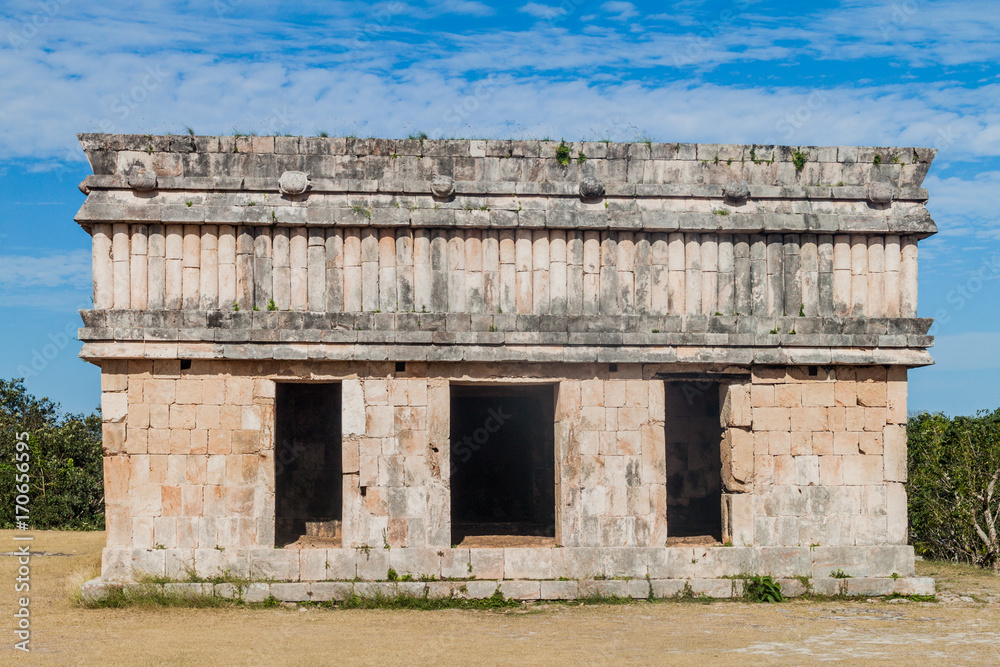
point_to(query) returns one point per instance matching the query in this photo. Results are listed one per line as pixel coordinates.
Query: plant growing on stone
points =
(840, 574)
(799, 160)
(877, 159)
(271, 305)
(563, 153)
(762, 589)
(581, 158)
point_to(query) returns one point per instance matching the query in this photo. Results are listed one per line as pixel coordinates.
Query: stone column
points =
(908, 278)
(474, 281)
(387, 288)
(842, 275)
(316, 268)
(892, 265)
(263, 268)
(156, 270)
(174, 269)
(859, 276)
(404, 270)
(227, 266)
(298, 259)
(456, 272)
(659, 271)
(103, 263)
(557, 272)
(692, 274)
(190, 266)
(522, 265)
(876, 277)
(508, 272)
(491, 271)
(138, 268)
(209, 267)
(422, 275)
(727, 267)
(709, 274)
(335, 269)
(122, 274)
(625, 264)
(352, 270)
(591, 273)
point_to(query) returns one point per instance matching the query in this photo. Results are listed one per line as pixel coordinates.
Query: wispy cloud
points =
(70, 269)
(540, 11)
(622, 10)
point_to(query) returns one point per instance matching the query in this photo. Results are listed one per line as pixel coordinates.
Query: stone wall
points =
(807, 459)
(542, 272)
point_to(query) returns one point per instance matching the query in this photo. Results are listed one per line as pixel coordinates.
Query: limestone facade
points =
(795, 305)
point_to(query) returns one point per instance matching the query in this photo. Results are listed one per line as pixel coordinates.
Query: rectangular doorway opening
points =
(503, 465)
(694, 462)
(308, 466)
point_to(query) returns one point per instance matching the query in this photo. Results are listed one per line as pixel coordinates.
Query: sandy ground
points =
(963, 627)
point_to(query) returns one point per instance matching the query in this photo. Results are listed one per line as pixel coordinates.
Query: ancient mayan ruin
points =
(338, 366)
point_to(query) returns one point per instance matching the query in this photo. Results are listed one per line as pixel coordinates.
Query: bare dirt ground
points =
(963, 627)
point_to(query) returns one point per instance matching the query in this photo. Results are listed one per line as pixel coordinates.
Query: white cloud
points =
(623, 10)
(71, 269)
(540, 11)
(468, 8)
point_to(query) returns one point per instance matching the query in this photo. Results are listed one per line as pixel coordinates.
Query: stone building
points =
(563, 369)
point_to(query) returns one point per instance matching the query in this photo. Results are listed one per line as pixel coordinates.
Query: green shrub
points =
(66, 487)
(762, 589)
(954, 487)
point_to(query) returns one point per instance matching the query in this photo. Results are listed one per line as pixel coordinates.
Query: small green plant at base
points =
(492, 328)
(236, 306)
(189, 203)
(877, 159)
(563, 153)
(840, 574)
(762, 589)
(802, 310)
(271, 305)
(775, 330)
(799, 160)
(256, 309)
(581, 158)
(720, 211)
(656, 331)
(392, 575)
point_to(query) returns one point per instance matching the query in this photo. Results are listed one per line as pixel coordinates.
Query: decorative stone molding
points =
(443, 186)
(293, 182)
(736, 192)
(140, 178)
(881, 193)
(591, 188)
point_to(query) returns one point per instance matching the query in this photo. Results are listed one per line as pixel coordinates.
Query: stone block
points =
(713, 588)
(275, 564)
(589, 588)
(520, 590)
(455, 564)
(487, 563)
(558, 590)
(325, 591)
(416, 562)
(869, 587)
(479, 589)
(287, 592)
(668, 588)
(913, 586)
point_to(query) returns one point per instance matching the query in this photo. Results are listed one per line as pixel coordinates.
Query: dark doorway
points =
(307, 463)
(502, 464)
(694, 462)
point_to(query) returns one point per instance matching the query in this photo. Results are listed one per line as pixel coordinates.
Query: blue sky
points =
(905, 72)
